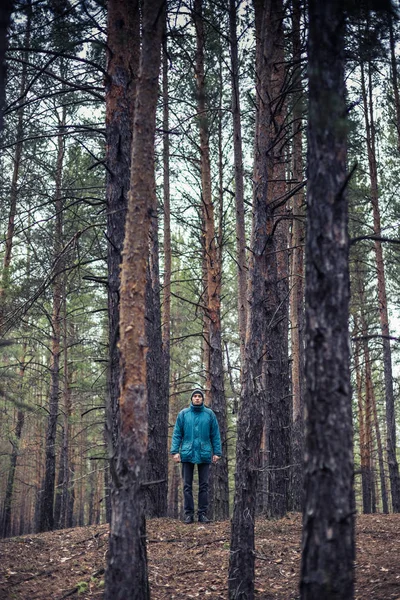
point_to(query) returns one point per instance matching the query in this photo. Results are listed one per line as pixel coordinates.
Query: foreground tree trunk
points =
(126, 575)
(123, 42)
(328, 521)
(220, 491)
(250, 420)
(253, 394)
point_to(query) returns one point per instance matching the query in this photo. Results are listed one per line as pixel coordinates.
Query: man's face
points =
(197, 399)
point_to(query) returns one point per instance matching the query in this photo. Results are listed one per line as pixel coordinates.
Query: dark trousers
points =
(187, 474)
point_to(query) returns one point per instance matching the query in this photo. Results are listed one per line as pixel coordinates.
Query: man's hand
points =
(176, 458)
(215, 458)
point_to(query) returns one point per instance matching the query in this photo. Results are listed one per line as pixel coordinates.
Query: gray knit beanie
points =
(197, 391)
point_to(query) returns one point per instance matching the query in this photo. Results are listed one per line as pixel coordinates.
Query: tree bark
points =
(253, 393)
(5, 15)
(65, 489)
(156, 477)
(175, 476)
(46, 522)
(382, 474)
(58, 490)
(250, 419)
(205, 343)
(9, 238)
(382, 296)
(328, 517)
(61, 496)
(220, 492)
(369, 439)
(297, 274)
(393, 63)
(69, 522)
(8, 496)
(361, 405)
(370, 388)
(123, 42)
(126, 575)
(277, 408)
(239, 183)
(156, 494)
(166, 326)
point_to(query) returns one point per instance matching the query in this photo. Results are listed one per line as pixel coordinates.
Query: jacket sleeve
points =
(215, 437)
(177, 435)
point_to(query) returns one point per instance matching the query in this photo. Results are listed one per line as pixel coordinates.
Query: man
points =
(196, 441)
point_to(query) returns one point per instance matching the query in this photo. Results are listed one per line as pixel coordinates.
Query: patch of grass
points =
(82, 587)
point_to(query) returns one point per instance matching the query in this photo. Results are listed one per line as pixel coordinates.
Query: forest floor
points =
(191, 561)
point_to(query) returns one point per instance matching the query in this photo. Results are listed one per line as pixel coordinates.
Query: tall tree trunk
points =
(369, 398)
(297, 274)
(65, 488)
(47, 493)
(327, 569)
(250, 419)
(156, 477)
(393, 63)
(69, 520)
(23, 509)
(166, 327)
(8, 496)
(365, 411)
(158, 340)
(370, 442)
(123, 43)
(205, 341)
(253, 393)
(277, 409)
(126, 575)
(220, 492)
(370, 388)
(58, 490)
(382, 296)
(63, 475)
(5, 15)
(80, 519)
(382, 474)
(9, 238)
(91, 481)
(239, 181)
(361, 405)
(175, 476)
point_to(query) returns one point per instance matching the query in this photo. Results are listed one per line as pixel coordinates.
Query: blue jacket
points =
(196, 435)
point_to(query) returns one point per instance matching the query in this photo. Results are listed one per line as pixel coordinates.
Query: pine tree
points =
(126, 575)
(328, 525)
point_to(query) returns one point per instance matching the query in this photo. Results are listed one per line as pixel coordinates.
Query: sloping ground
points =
(190, 561)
